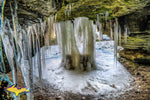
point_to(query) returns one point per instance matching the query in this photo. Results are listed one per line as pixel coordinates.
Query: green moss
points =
(82, 9)
(138, 42)
(89, 8)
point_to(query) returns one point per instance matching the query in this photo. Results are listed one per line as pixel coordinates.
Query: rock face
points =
(138, 22)
(137, 48)
(30, 11)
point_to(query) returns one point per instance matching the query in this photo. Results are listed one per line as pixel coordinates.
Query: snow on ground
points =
(108, 78)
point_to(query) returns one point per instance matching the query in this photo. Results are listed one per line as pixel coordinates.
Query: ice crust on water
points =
(105, 79)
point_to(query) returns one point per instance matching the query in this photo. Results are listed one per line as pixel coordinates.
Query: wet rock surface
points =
(142, 81)
(31, 11)
(137, 48)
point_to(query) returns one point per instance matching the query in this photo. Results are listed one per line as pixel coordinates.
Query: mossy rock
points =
(135, 56)
(143, 61)
(89, 8)
(138, 43)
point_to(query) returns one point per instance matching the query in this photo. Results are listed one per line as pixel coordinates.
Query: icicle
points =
(16, 20)
(37, 32)
(25, 67)
(101, 32)
(97, 17)
(10, 54)
(1, 29)
(15, 45)
(58, 31)
(34, 48)
(111, 30)
(55, 18)
(106, 16)
(29, 39)
(119, 35)
(43, 30)
(77, 43)
(125, 33)
(68, 10)
(47, 34)
(2, 14)
(43, 57)
(115, 41)
(128, 30)
(99, 25)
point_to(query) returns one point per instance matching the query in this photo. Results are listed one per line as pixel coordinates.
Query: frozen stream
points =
(106, 79)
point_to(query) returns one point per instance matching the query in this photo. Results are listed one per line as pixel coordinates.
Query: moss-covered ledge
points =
(89, 8)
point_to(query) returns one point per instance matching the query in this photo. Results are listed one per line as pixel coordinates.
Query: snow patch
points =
(107, 78)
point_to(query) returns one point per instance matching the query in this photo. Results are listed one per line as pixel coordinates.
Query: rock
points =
(83, 98)
(59, 98)
(138, 73)
(137, 92)
(137, 48)
(113, 86)
(29, 11)
(144, 80)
